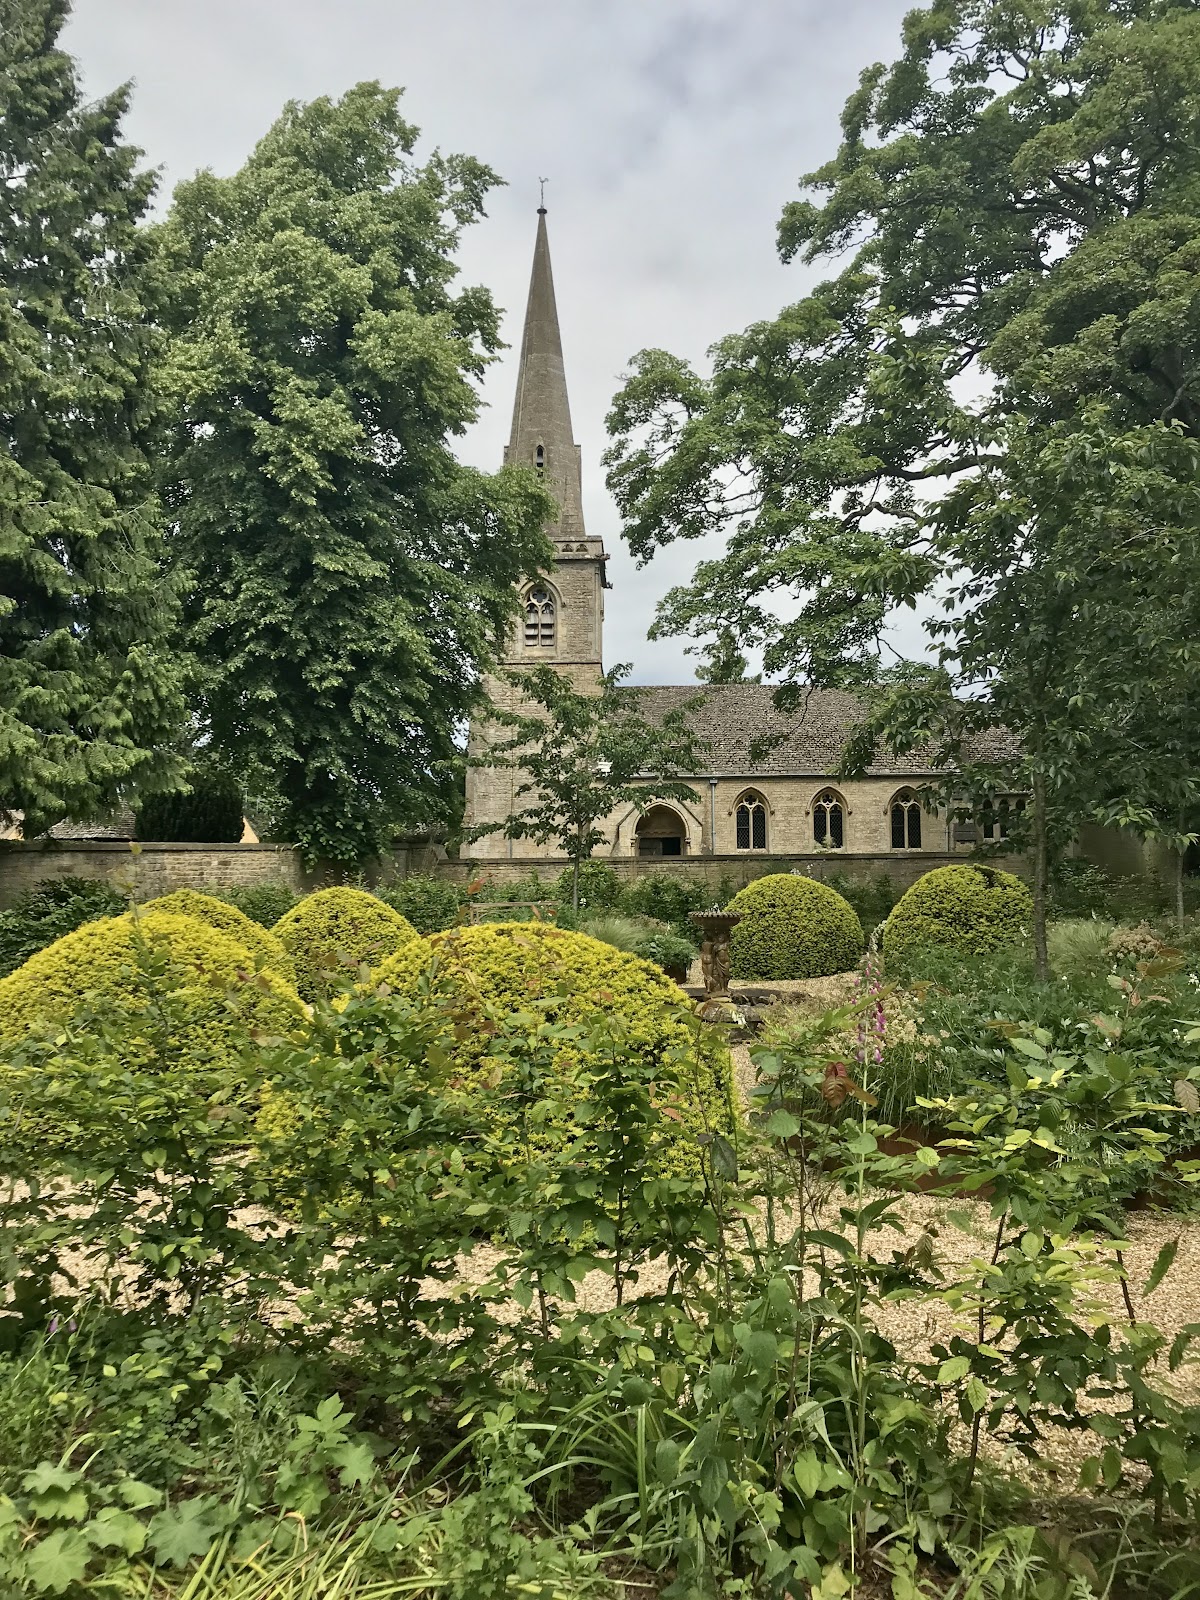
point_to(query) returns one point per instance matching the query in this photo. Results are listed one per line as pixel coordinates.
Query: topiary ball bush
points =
(497, 968)
(226, 918)
(968, 908)
(123, 967)
(793, 927)
(338, 930)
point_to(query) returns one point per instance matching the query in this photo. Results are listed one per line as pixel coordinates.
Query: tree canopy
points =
(352, 578)
(1016, 209)
(89, 687)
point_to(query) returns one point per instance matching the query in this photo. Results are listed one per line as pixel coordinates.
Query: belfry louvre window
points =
(751, 823)
(539, 619)
(539, 461)
(906, 821)
(829, 826)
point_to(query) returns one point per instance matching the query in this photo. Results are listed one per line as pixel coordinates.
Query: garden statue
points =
(715, 926)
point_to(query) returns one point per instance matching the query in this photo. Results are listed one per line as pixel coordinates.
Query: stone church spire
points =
(542, 436)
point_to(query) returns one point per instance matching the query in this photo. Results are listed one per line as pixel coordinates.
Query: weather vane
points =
(542, 182)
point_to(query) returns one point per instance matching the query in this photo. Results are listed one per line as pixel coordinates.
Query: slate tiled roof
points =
(733, 717)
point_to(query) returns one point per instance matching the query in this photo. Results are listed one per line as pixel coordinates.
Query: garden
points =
(362, 1244)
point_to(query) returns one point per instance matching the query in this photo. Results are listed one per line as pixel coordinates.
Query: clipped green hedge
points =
(226, 918)
(48, 910)
(119, 967)
(337, 930)
(496, 969)
(970, 908)
(793, 927)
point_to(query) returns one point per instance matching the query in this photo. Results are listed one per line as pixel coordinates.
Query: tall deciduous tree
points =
(352, 576)
(580, 755)
(1019, 198)
(89, 690)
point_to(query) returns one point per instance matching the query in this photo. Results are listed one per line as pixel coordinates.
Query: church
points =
(781, 812)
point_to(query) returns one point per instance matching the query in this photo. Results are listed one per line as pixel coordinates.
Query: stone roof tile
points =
(732, 718)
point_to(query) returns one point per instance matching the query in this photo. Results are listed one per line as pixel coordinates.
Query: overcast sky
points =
(672, 132)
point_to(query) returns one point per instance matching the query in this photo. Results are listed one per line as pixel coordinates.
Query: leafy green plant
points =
(792, 927)
(263, 903)
(1078, 946)
(266, 949)
(332, 933)
(49, 910)
(669, 897)
(972, 908)
(430, 904)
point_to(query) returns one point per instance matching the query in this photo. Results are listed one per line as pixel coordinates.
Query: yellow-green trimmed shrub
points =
(498, 968)
(226, 918)
(793, 927)
(107, 966)
(337, 930)
(971, 908)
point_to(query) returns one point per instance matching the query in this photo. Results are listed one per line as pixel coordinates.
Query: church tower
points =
(561, 618)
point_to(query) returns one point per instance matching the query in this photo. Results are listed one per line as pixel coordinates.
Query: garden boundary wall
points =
(739, 869)
(149, 869)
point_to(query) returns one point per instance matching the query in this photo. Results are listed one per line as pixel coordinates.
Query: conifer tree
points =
(89, 693)
(352, 577)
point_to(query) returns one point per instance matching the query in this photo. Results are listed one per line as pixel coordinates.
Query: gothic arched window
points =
(539, 619)
(906, 821)
(998, 815)
(829, 827)
(539, 461)
(751, 816)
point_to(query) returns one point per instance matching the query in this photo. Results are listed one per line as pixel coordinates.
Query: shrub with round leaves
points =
(123, 967)
(226, 918)
(335, 931)
(970, 908)
(498, 969)
(793, 927)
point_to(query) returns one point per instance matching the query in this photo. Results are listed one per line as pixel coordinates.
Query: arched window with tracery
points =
(829, 819)
(751, 817)
(906, 821)
(540, 619)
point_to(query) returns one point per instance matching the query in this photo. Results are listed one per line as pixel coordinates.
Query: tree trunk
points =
(575, 885)
(1041, 959)
(1180, 861)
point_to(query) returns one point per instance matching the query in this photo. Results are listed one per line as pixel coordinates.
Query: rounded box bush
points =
(969, 908)
(497, 968)
(793, 927)
(338, 930)
(226, 918)
(123, 967)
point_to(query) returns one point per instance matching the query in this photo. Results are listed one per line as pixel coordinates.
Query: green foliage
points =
(113, 970)
(972, 908)
(89, 683)
(266, 949)
(644, 937)
(48, 910)
(211, 812)
(330, 521)
(535, 973)
(872, 898)
(668, 898)
(1079, 947)
(599, 888)
(792, 927)
(580, 756)
(331, 934)
(263, 903)
(430, 904)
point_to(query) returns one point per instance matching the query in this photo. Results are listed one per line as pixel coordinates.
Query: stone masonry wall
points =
(155, 868)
